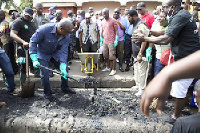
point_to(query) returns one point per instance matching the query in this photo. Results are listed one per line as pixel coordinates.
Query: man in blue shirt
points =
(127, 42)
(7, 69)
(50, 42)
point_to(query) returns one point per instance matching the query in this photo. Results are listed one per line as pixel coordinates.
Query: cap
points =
(28, 11)
(11, 11)
(87, 15)
(140, 5)
(69, 12)
(52, 7)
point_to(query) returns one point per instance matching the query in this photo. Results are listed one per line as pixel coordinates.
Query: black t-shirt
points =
(184, 30)
(189, 124)
(25, 29)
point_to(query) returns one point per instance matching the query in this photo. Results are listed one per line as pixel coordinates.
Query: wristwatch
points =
(150, 33)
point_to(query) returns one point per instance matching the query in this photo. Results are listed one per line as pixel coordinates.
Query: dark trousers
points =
(44, 74)
(158, 66)
(7, 70)
(88, 47)
(127, 49)
(10, 51)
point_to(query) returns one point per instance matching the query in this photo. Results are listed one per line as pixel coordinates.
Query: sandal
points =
(15, 92)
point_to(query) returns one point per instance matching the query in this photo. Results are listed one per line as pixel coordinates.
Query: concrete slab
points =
(120, 80)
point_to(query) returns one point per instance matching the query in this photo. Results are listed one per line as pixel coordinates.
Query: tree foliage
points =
(9, 4)
(26, 3)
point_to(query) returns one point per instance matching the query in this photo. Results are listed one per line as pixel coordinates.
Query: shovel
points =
(27, 87)
(57, 72)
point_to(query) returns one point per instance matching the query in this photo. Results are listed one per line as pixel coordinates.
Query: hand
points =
(138, 38)
(116, 41)
(64, 73)
(101, 41)
(118, 23)
(148, 54)
(159, 88)
(35, 63)
(80, 45)
(21, 60)
(35, 60)
(26, 44)
(98, 45)
(139, 58)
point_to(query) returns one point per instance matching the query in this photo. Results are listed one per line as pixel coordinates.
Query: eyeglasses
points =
(138, 9)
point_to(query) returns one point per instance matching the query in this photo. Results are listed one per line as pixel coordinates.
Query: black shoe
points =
(69, 91)
(131, 64)
(121, 69)
(171, 121)
(127, 68)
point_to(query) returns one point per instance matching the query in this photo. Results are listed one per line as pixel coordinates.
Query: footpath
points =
(119, 80)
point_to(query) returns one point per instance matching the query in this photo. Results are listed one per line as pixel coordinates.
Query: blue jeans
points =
(158, 67)
(44, 74)
(7, 69)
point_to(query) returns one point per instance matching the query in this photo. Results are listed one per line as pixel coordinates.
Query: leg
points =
(158, 66)
(127, 51)
(106, 56)
(179, 91)
(8, 71)
(64, 82)
(179, 105)
(120, 54)
(142, 75)
(44, 74)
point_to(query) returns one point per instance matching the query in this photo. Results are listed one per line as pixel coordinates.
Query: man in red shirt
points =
(147, 17)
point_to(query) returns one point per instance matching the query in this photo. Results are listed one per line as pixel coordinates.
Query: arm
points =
(14, 35)
(121, 26)
(158, 33)
(116, 27)
(4, 28)
(98, 39)
(160, 86)
(63, 52)
(102, 33)
(139, 56)
(162, 40)
(80, 39)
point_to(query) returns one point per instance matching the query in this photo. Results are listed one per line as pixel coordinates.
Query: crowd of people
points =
(136, 38)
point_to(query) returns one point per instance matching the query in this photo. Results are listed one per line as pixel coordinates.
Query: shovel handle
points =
(55, 71)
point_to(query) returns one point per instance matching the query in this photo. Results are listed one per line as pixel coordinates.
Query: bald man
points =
(50, 42)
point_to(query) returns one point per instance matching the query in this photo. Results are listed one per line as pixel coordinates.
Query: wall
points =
(63, 9)
(149, 5)
(112, 5)
(100, 5)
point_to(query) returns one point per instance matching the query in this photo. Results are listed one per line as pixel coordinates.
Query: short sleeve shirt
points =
(108, 27)
(188, 124)
(25, 29)
(148, 19)
(184, 30)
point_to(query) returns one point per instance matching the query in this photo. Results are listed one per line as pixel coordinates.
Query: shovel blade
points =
(27, 89)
